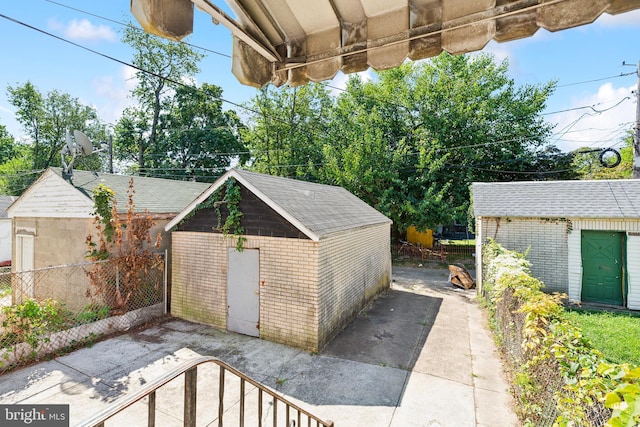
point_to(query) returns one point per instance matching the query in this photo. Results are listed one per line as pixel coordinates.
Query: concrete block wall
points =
(288, 290)
(354, 267)
(545, 239)
(288, 284)
(58, 241)
(199, 278)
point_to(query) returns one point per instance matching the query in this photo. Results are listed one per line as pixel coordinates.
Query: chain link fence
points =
(56, 308)
(537, 394)
(442, 252)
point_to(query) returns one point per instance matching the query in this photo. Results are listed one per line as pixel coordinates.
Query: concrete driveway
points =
(420, 355)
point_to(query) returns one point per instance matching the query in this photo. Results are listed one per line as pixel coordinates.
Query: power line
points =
(254, 152)
(594, 80)
(132, 27)
(119, 61)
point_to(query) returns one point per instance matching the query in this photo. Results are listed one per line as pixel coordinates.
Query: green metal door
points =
(603, 267)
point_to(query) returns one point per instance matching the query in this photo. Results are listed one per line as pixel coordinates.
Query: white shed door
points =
(243, 292)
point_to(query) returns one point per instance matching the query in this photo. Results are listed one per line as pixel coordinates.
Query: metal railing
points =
(290, 413)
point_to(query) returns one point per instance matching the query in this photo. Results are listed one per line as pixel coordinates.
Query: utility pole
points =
(636, 133)
(110, 153)
(636, 136)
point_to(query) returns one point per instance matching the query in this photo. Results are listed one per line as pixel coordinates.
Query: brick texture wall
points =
(354, 267)
(546, 241)
(308, 290)
(555, 249)
(288, 290)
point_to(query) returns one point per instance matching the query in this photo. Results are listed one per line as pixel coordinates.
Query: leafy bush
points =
(33, 321)
(551, 358)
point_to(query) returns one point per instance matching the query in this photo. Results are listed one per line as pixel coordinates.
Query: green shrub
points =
(584, 384)
(33, 321)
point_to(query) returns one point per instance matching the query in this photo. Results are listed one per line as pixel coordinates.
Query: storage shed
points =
(5, 230)
(53, 217)
(313, 257)
(583, 237)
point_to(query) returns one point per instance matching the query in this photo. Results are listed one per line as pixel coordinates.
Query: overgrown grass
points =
(467, 242)
(616, 335)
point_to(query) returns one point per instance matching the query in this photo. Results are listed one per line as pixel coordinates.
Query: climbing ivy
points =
(232, 224)
(228, 195)
(103, 205)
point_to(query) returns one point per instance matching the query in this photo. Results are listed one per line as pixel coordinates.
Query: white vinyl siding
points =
(52, 197)
(633, 272)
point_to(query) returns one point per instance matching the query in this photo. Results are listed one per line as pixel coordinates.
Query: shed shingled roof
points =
(316, 209)
(5, 202)
(155, 195)
(558, 199)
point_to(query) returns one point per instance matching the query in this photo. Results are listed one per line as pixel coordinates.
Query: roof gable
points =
(156, 195)
(51, 196)
(575, 199)
(62, 195)
(315, 209)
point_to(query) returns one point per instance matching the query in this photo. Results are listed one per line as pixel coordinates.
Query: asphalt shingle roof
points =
(5, 202)
(155, 195)
(322, 208)
(315, 209)
(582, 199)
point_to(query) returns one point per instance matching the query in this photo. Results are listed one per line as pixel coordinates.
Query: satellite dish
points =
(83, 142)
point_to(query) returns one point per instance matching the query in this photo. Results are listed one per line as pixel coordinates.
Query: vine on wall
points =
(232, 224)
(228, 195)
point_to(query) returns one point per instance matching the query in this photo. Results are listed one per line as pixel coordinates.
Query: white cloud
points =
(631, 19)
(500, 51)
(609, 114)
(83, 29)
(113, 93)
(339, 82)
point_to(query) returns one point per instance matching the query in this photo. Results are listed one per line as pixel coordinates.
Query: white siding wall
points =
(480, 239)
(633, 271)
(52, 197)
(5, 239)
(632, 228)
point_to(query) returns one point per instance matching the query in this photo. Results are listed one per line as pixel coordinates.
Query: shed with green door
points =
(582, 237)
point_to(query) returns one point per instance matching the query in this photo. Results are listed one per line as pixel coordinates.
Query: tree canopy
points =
(176, 129)
(410, 142)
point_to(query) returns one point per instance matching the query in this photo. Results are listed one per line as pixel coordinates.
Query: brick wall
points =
(304, 283)
(546, 241)
(555, 249)
(355, 266)
(288, 291)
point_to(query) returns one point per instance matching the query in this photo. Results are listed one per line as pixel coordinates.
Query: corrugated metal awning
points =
(295, 41)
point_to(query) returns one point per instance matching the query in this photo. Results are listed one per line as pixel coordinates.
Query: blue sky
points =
(592, 52)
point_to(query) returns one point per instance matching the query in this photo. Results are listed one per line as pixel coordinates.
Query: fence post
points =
(165, 297)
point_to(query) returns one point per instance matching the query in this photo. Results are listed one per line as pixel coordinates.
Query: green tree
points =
(288, 128)
(166, 63)
(412, 140)
(587, 164)
(8, 147)
(440, 125)
(199, 139)
(46, 118)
